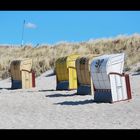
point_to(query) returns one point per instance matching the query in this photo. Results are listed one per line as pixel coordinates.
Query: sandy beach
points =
(45, 108)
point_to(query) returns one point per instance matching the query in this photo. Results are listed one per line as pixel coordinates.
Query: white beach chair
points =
(109, 81)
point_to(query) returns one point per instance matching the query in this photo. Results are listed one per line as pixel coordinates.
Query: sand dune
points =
(44, 107)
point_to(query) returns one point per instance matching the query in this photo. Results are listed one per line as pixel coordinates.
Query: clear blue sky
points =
(53, 26)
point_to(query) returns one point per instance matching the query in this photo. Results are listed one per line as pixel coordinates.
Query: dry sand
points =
(44, 108)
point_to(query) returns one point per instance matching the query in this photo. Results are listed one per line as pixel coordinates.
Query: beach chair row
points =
(99, 75)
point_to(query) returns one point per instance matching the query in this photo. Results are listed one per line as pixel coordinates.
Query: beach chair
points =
(83, 75)
(22, 75)
(109, 82)
(66, 76)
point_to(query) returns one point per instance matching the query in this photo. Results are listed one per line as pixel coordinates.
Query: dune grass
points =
(44, 56)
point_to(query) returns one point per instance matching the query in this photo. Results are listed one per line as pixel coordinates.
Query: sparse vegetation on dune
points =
(44, 56)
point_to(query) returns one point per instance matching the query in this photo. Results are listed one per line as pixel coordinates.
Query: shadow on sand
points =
(6, 88)
(90, 101)
(76, 102)
(61, 95)
(46, 90)
(135, 74)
